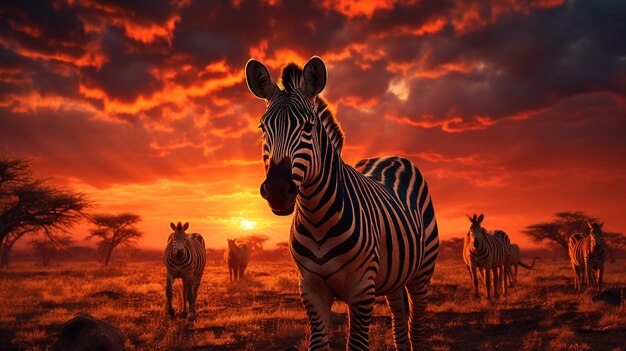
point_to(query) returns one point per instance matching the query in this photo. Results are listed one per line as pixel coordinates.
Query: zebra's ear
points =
(173, 226)
(185, 226)
(601, 224)
(480, 218)
(314, 74)
(590, 225)
(469, 217)
(259, 81)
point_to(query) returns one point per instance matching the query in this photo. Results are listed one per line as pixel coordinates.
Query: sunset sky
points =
(516, 109)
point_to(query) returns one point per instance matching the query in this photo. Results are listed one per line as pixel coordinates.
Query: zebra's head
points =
(476, 231)
(595, 232)
(290, 127)
(178, 237)
(232, 243)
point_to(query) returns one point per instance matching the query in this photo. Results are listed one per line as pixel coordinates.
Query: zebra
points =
(515, 261)
(357, 232)
(237, 257)
(587, 255)
(487, 253)
(185, 258)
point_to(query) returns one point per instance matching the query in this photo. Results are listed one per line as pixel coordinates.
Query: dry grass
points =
(263, 311)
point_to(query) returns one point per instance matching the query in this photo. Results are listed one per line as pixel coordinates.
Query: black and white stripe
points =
(587, 256)
(185, 258)
(489, 254)
(358, 232)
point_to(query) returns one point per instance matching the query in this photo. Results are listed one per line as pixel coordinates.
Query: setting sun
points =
(246, 224)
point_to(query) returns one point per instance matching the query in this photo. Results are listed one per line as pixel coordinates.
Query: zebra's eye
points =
(307, 127)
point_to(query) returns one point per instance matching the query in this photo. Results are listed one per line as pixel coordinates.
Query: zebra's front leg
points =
(360, 312)
(589, 274)
(169, 281)
(317, 303)
(600, 276)
(185, 295)
(475, 280)
(488, 282)
(191, 299)
(505, 279)
(399, 306)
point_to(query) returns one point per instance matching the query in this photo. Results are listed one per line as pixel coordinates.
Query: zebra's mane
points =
(291, 80)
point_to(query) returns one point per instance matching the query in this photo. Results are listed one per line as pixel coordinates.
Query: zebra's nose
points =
(292, 191)
(263, 191)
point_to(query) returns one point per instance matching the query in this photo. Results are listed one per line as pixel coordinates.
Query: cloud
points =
(495, 100)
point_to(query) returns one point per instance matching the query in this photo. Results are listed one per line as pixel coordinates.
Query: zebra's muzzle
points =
(279, 189)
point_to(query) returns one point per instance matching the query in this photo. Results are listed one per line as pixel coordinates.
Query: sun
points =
(246, 224)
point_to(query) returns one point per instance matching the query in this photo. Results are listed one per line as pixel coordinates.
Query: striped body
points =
(587, 256)
(185, 258)
(357, 232)
(487, 253)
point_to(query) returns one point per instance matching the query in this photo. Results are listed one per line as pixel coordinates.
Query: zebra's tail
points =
(527, 266)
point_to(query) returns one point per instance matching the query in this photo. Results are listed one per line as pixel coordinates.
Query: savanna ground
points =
(263, 311)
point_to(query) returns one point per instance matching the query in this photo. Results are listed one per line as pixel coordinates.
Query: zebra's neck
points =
(321, 200)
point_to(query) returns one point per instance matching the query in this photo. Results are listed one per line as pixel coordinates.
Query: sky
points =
(514, 109)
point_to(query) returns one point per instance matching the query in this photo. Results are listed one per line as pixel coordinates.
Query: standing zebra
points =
(516, 260)
(237, 257)
(488, 253)
(357, 232)
(587, 255)
(184, 257)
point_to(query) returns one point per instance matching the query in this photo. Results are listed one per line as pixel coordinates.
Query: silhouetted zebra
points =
(237, 257)
(488, 252)
(184, 257)
(516, 260)
(357, 232)
(587, 255)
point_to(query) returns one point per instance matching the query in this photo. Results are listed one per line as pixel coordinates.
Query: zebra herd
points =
(357, 232)
(486, 253)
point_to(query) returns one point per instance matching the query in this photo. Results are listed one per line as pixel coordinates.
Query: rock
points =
(85, 332)
(611, 296)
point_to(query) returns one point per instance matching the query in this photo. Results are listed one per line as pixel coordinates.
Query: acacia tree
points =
(567, 223)
(113, 231)
(46, 250)
(255, 242)
(29, 204)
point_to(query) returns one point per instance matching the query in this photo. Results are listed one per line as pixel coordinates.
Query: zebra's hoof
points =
(171, 312)
(192, 317)
(184, 314)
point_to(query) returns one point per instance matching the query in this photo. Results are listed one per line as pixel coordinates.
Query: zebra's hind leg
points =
(418, 298)
(317, 302)
(169, 280)
(398, 302)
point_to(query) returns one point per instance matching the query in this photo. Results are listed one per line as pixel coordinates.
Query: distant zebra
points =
(237, 257)
(516, 260)
(587, 255)
(185, 258)
(487, 253)
(357, 232)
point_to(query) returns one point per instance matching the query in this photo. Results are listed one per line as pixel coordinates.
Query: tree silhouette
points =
(29, 204)
(46, 250)
(255, 242)
(114, 230)
(566, 224)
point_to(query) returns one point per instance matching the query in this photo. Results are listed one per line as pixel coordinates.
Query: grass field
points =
(263, 311)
